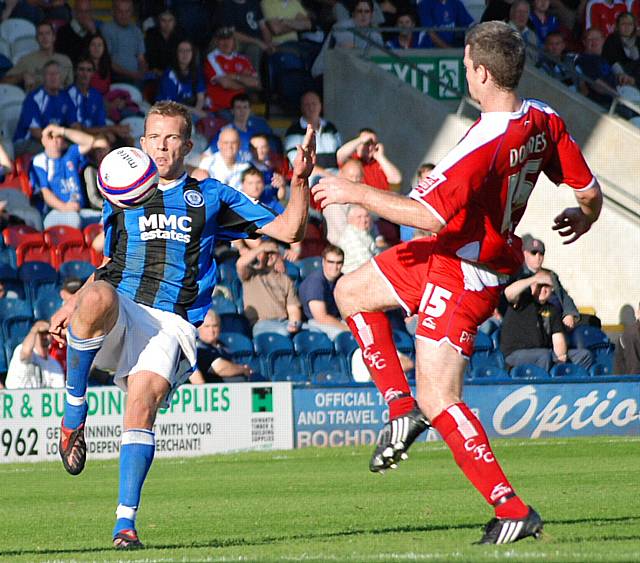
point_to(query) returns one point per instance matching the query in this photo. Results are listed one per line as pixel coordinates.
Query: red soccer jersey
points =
(479, 191)
(374, 176)
(602, 15)
(219, 64)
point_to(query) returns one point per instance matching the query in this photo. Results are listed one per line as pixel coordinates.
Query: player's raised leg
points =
(439, 378)
(362, 297)
(95, 313)
(145, 393)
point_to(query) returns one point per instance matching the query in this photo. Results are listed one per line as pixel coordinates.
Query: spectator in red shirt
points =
(602, 14)
(379, 171)
(226, 72)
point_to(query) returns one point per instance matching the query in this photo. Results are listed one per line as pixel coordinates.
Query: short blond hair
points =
(169, 108)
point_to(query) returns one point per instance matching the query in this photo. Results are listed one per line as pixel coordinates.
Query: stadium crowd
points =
(74, 86)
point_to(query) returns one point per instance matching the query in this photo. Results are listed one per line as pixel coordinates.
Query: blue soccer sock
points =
(80, 355)
(136, 456)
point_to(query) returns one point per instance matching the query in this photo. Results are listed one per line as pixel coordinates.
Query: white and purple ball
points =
(127, 177)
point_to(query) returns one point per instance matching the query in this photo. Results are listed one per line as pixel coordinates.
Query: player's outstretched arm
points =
(396, 208)
(576, 221)
(291, 225)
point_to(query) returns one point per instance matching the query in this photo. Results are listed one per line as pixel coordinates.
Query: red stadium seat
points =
(71, 250)
(58, 234)
(23, 163)
(90, 232)
(13, 235)
(34, 251)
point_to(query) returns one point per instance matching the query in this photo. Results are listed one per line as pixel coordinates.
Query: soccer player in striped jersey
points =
(137, 315)
(473, 199)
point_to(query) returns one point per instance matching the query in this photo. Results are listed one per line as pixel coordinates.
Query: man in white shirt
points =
(31, 366)
(226, 166)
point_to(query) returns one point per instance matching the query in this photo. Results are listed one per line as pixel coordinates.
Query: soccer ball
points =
(127, 177)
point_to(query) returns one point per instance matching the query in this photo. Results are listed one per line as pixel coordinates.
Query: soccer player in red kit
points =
(473, 200)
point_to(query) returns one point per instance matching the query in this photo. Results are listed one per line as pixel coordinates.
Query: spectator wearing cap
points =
(316, 294)
(534, 252)
(31, 365)
(250, 28)
(532, 332)
(227, 72)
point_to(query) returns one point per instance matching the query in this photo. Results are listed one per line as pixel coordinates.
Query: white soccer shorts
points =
(148, 339)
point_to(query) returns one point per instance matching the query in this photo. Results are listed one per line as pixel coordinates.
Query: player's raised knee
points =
(97, 300)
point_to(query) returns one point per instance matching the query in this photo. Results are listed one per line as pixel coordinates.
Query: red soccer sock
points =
(374, 335)
(468, 442)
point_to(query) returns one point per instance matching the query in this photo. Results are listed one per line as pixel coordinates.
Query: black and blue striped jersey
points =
(162, 253)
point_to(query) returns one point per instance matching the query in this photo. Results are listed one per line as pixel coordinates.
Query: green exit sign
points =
(449, 69)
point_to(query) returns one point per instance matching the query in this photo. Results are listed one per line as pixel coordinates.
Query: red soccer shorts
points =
(452, 297)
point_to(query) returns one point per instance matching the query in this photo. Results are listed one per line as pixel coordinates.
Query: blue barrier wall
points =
(343, 416)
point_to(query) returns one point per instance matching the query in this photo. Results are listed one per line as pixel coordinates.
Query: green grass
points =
(315, 504)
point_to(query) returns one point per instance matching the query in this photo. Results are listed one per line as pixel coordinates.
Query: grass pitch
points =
(315, 504)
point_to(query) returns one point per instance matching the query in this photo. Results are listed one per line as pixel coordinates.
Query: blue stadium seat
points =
(345, 345)
(14, 307)
(337, 378)
(46, 305)
(488, 372)
(8, 257)
(307, 341)
(8, 271)
(404, 342)
(482, 344)
(8, 348)
(17, 326)
(318, 354)
(292, 271)
(14, 289)
(4, 363)
(308, 265)
(278, 358)
(235, 322)
(491, 359)
(568, 370)
(226, 273)
(221, 305)
(76, 269)
(37, 271)
(598, 369)
(37, 276)
(528, 371)
(236, 342)
(495, 338)
(241, 349)
(584, 336)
